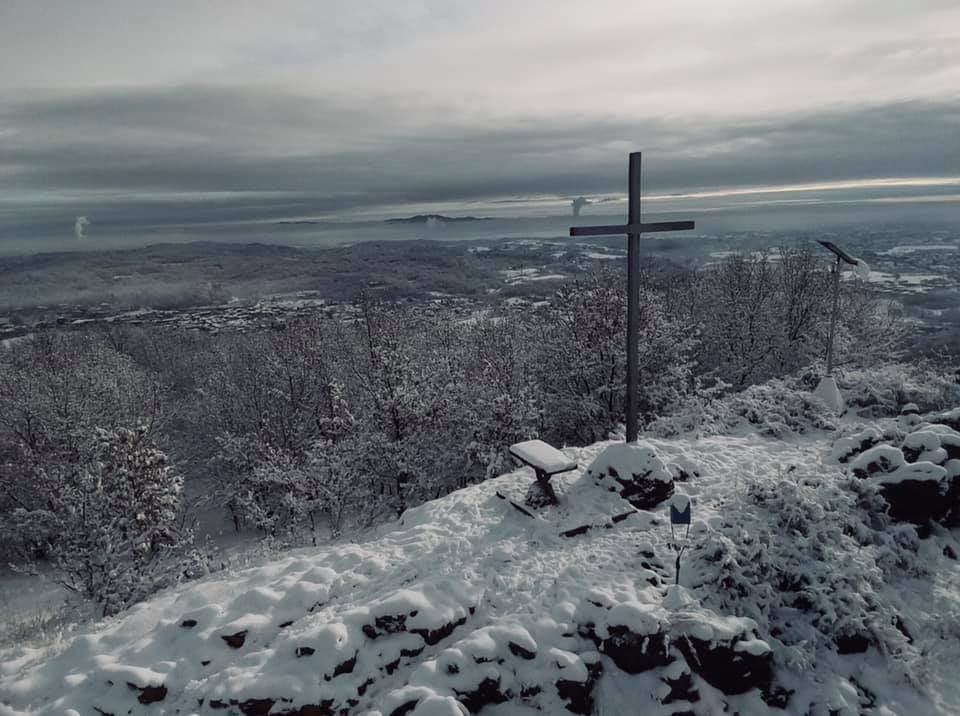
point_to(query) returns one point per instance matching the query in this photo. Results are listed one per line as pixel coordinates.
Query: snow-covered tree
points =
(55, 390)
(118, 534)
(581, 357)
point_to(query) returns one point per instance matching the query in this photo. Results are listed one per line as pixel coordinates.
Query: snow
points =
(829, 393)
(502, 598)
(909, 249)
(639, 618)
(601, 257)
(862, 270)
(886, 455)
(904, 282)
(679, 502)
(919, 471)
(847, 446)
(756, 647)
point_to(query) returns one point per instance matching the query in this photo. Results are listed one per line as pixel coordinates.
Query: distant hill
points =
(424, 218)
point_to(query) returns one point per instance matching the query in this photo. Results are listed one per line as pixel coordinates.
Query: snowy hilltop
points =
(814, 582)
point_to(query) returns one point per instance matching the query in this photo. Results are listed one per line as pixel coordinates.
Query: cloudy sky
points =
(142, 113)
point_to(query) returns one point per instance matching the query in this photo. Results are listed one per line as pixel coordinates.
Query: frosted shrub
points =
(885, 389)
(774, 408)
(119, 538)
(55, 390)
(807, 558)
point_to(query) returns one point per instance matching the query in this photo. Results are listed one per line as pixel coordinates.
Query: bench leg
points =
(543, 479)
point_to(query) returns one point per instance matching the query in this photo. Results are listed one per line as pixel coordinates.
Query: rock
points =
(852, 643)
(845, 449)
(345, 667)
(256, 707)
(950, 418)
(149, 694)
(235, 641)
(778, 697)
(916, 501)
(579, 694)
(726, 667)
(389, 624)
(635, 653)
(519, 651)
(932, 443)
(683, 470)
(879, 459)
(681, 689)
(635, 472)
(435, 636)
(486, 693)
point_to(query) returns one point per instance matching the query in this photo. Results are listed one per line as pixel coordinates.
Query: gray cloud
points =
(201, 142)
(164, 121)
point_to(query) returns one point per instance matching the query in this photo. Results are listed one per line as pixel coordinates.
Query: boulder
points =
(635, 472)
(847, 448)
(879, 459)
(916, 501)
(950, 418)
(578, 693)
(727, 666)
(632, 634)
(724, 651)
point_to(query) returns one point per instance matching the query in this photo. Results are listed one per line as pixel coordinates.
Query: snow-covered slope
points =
(469, 604)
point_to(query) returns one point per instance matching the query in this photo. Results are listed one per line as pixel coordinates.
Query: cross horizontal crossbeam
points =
(647, 228)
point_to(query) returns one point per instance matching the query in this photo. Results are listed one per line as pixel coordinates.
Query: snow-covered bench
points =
(545, 460)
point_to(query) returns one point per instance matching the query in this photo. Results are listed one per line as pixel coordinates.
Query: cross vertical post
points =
(633, 296)
(633, 228)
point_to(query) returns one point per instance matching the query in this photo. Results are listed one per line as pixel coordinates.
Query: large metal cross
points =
(633, 228)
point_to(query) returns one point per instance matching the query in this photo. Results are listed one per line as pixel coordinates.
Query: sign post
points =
(680, 509)
(633, 228)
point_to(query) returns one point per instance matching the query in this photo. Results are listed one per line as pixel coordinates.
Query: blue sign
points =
(680, 517)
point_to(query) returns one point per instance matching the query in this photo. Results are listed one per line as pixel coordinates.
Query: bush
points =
(117, 538)
(776, 408)
(884, 389)
(807, 558)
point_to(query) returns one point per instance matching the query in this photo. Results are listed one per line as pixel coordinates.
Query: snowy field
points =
(466, 603)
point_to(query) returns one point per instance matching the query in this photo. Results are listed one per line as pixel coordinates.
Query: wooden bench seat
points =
(545, 460)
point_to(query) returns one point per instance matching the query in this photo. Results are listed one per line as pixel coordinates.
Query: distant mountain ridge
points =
(424, 218)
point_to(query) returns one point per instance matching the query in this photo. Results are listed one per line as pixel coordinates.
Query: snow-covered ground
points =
(467, 602)
(905, 282)
(912, 249)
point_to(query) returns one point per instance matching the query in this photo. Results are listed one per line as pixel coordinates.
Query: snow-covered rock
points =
(844, 449)
(635, 472)
(878, 459)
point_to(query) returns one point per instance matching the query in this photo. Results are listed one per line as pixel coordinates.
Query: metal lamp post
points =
(842, 257)
(827, 389)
